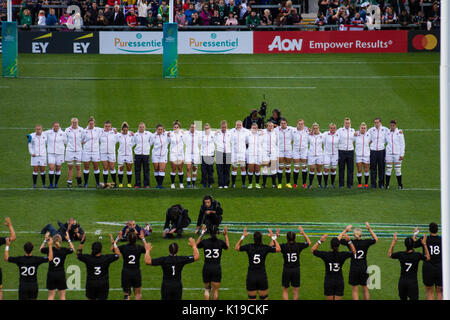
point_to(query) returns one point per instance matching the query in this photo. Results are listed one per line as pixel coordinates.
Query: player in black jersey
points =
(358, 264)
(28, 265)
(56, 275)
(97, 267)
(256, 282)
(11, 238)
(291, 266)
(131, 272)
(172, 265)
(334, 281)
(409, 262)
(432, 270)
(212, 271)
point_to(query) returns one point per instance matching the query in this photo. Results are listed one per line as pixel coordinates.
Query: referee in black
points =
(346, 153)
(256, 282)
(172, 265)
(142, 140)
(377, 153)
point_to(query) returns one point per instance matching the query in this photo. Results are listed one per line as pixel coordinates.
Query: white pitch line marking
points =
(241, 87)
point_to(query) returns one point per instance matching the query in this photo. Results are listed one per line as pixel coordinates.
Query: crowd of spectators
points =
(424, 13)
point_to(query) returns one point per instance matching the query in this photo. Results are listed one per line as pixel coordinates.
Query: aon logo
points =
(286, 44)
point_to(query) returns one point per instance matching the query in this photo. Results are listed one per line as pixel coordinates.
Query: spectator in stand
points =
(323, 6)
(233, 8)
(131, 18)
(253, 19)
(196, 20)
(101, 19)
(4, 11)
(154, 6)
(434, 19)
(232, 20)
(66, 19)
(112, 3)
(283, 14)
(404, 18)
(414, 7)
(51, 19)
(77, 21)
(212, 6)
(247, 13)
(180, 18)
(186, 5)
(94, 13)
(142, 12)
(216, 20)
(222, 9)
(321, 20)
(294, 18)
(177, 6)
(118, 17)
(243, 12)
(419, 20)
(163, 10)
(108, 13)
(266, 19)
(389, 17)
(205, 15)
(150, 20)
(341, 16)
(357, 19)
(41, 18)
(188, 13)
(199, 5)
(25, 18)
(87, 18)
(159, 21)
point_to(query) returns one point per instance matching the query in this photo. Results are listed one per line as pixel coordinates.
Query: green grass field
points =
(317, 88)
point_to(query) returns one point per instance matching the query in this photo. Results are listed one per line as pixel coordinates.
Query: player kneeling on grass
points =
(256, 282)
(395, 152)
(431, 270)
(362, 152)
(330, 156)
(125, 153)
(408, 286)
(177, 218)
(91, 151)
(28, 265)
(334, 281)
(56, 141)
(131, 271)
(212, 271)
(172, 266)
(358, 264)
(315, 155)
(97, 267)
(291, 267)
(56, 275)
(37, 142)
(269, 148)
(11, 238)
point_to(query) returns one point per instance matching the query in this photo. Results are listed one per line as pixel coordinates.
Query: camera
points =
(263, 110)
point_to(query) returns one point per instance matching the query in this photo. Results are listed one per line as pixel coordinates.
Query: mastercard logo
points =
(425, 42)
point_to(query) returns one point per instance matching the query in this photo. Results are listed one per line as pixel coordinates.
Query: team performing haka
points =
(356, 249)
(252, 152)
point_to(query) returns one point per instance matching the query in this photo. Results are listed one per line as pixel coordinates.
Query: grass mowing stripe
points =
(228, 63)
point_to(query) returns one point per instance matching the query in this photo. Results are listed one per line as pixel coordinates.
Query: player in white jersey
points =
(125, 154)
(270, 154)
(362, 152)
(222, 140)
(395, 152)
(37, 142)
(285, 138)
(300, 136)
(330, 157)
(315, 155)
(108, 152)
(91, 151)
(160, 142)
(254, 141)
(56, 145)
(74, 148)
(238, 148)
(192, 142)
(176, 156)
(207, 153)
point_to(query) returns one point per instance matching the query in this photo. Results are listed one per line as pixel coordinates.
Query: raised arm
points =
(201, 234)
(7, 249)
(277, 234)
(115, 248)
(147, 258)
(374, 236)
(317, 244)
(12, 233)
(274, 239)
(302, 232)
(416, 232)
(225, 233)
(238, 244)
(391, 248)
(425, 248)
(47, 236)
(194, 248)
(350, 243)
(347, 229)
(69, 241)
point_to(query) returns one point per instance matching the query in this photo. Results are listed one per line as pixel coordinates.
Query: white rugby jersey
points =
(254, 141)
(126, 143)
(223, 141)
(208, 146)
(346, 138)
(143, 142)
(160, 144)
(37, 145)
(378, 137)
(395, 143)
(315, 144)
(285, 137)
(107, 142)
(362, 142)
(91, 139)
(74, 139)
(300, 138)
(270, 141)
(56, 141)
(238, 140)
(330, 143)
(192, 142)
(176, 141)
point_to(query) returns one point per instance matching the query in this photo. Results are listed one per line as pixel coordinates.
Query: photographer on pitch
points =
(132, 227)
(253, 117)
(177, 218)
(76, 233)
(210, 213)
